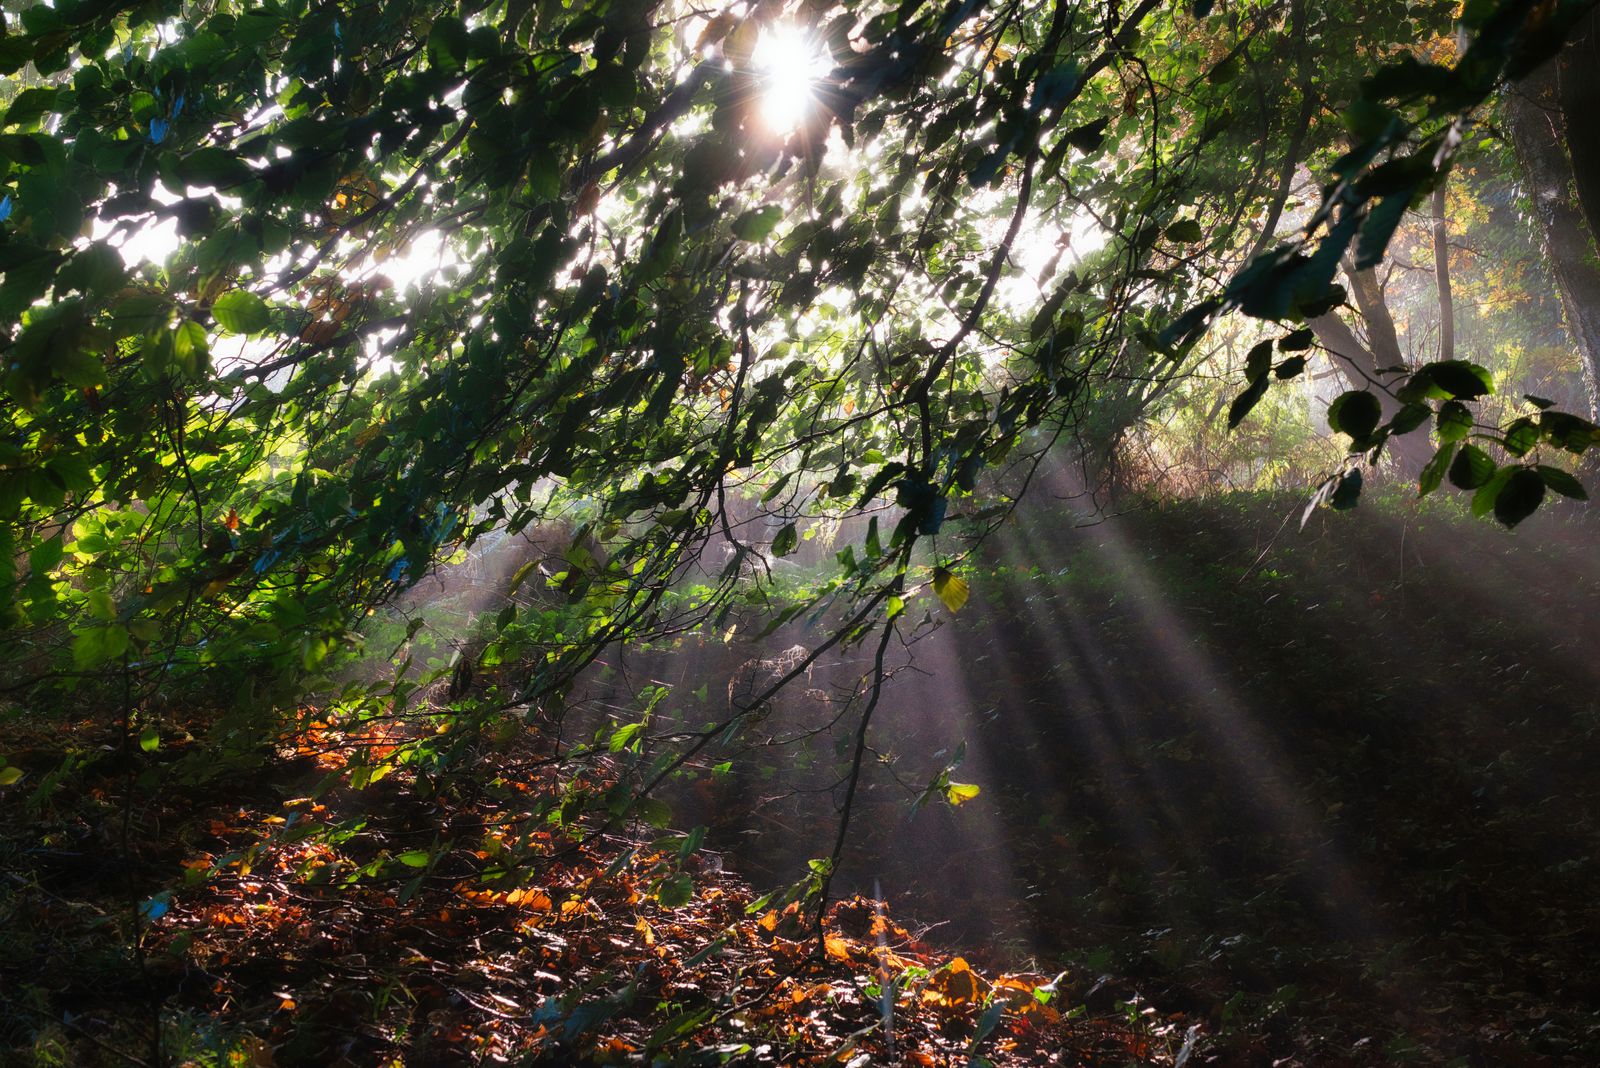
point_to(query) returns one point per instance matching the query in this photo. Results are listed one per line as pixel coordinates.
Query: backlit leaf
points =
(950, 588)
(241, 312)
(960, 792)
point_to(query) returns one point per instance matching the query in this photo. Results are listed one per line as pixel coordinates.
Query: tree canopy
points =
(975, 230)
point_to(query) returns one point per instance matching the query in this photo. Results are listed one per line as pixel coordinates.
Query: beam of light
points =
(1261, 768)
(791, 64)
(427, 259)
(1043, 251)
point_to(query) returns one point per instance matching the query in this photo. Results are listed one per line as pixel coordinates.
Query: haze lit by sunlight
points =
(424, 260)
(792, 63)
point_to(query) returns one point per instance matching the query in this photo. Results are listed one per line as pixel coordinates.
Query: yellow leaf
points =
(10, 775)
(957, 792)
(715, 30)
(951, 588)
(740, 42)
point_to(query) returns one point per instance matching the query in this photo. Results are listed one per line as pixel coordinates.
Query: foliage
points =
(442, 274)
(1406, 128)
(654, 301)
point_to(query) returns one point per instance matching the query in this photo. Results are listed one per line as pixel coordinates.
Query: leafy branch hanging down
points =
(1404, 131)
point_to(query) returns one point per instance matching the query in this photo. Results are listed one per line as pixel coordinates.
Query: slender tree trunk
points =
(1536, 131)
(1441, 275)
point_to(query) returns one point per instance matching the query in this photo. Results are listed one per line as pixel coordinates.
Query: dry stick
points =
(889, 631)
(82, 1033)
(135, 916)
(819, 948)
(760, 699)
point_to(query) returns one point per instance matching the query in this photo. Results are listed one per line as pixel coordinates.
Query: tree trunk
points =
(1363, 368)
(1383, 340)
(1578, 80)
(1441, 276)
(1536, 132)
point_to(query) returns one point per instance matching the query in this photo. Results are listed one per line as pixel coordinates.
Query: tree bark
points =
(1382, 338)
(1441, 276)
(1534, 123)
(1578, 83)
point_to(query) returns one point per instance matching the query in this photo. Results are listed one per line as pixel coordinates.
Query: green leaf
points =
(1562, 482)
(1521, 436)
(1185, 231)
(1245, 401)
(78, 367)
(950, 588)
(447, 42)
(1408, 418)
(241, 312)
(1290, 368)
(95, 646)
(1454, 421)
(214, 167)
(10, 775)
(149, 739)
(30, 106)
(1224, 72)
(656, 813)
(1089, 136)
(1520, 497)
(46, 555)
(1483, 500)
(1258, 361)
(1460, 378)
(1298, 341)
(624, 735)
(1355, 413)
(1433, 471)
(758, 223)
(675, 891)
(1379, 227)
(785, 541)
(1472, 468)
(415, 858)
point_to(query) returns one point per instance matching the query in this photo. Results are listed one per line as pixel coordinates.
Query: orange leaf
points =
(956, 985)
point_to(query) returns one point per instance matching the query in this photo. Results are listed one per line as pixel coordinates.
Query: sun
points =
(792, 63)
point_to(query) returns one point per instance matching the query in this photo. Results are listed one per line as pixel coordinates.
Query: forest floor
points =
(1254, 798)
(206, 912)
